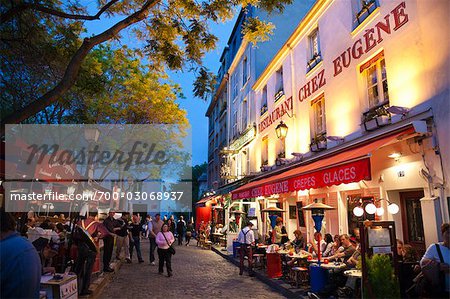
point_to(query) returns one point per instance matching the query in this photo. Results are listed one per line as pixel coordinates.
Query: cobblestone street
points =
(197, 273)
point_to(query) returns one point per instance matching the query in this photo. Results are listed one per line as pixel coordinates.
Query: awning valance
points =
(352, 165)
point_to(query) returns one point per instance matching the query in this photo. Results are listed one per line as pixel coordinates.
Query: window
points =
(244, 115)
(361, 10)
(235, 125)
(376, 80)
(314, 50)
(318, 111)
(234, 87)
(265, 151)
(264, 100)
(279, 88)
(245, 70)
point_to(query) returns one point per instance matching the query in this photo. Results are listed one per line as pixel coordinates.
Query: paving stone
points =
(197, 273)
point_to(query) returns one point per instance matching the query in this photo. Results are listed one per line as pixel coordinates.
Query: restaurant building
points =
(353, 110)
(231, 113)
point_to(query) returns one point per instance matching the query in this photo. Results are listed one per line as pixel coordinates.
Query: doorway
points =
(413, 232)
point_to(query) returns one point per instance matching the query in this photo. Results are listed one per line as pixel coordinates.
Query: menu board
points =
(378, 237)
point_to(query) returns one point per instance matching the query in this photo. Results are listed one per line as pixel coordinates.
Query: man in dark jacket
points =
(181, 226)
(108, 241)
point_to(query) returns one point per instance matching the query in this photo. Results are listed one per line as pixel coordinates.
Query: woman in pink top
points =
(164, 239)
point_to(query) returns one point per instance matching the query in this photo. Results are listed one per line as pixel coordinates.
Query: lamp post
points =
(318, 212)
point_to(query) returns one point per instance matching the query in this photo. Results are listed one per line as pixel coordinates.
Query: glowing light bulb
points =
(371, 208)
(358, 211)
(393, 208)
(380, 211)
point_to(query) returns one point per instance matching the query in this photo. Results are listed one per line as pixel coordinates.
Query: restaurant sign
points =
(244, 139)
(342, 174)
(285, 107)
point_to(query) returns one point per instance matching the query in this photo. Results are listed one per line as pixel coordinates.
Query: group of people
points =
(52, 245)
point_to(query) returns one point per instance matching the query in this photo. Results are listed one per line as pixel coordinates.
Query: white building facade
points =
(362, 88)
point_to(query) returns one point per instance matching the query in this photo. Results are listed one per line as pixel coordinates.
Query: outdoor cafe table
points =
(333, 267)
(353, 273)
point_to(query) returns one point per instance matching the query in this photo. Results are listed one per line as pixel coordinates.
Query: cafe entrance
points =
(412, 221)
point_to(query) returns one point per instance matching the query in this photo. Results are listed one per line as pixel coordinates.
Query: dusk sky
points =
(196, 108)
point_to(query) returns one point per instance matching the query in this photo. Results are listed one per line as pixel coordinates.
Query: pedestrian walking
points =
(154, 228)
(87, 250)
(123, 240)
(164, 240)
(108, 241)
(189, 232)
(181, 227)
(135, 241)
(246, 238)
(171, 225)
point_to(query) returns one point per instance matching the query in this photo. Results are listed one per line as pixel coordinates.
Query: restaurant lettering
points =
(281, 187)
(281, 110)
(342, 174)
(312, 86)
(371, 38)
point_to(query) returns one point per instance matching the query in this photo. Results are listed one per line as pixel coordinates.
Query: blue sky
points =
(196, 108)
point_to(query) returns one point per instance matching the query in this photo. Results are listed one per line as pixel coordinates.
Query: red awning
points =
(352, 165)
(205, 200)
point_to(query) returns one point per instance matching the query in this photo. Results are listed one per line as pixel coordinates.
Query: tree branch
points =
(7, 16)
(73, 67)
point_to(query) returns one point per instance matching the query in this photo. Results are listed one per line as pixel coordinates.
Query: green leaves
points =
(204, 84)
(254, 30)
(381, 276)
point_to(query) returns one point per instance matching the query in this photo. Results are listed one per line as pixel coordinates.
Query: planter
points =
(371, 124)
(383, 120)
(317, 147)
(377, 122)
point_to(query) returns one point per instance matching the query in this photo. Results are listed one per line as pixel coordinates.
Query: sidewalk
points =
(277, 284)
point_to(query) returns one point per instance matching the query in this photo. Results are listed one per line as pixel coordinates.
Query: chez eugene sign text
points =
(342, 174)
(372, 36)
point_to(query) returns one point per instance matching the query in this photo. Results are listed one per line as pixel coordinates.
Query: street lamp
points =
(317, 211)
(281, 130)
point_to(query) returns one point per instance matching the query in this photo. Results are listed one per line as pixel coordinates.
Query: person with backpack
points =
(246, 238)
(435, 265)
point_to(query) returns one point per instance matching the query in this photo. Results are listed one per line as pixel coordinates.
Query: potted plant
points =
(381, 279)
(376, 117)
(314, 61)
(263, 109)
(318, 143)
(279, 94)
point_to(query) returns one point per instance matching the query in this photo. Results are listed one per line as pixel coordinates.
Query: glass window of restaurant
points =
(318, 116)
(376, 83)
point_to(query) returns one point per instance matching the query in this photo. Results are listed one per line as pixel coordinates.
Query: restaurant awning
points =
(351, 165)
(203, 201)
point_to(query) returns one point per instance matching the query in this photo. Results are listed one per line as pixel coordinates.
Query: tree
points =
(175, 32)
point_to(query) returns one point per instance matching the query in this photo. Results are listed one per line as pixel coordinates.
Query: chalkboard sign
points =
(300, 216)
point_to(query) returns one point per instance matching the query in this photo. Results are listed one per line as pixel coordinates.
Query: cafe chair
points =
(259, 260)
(300, 276)
(207, 244)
